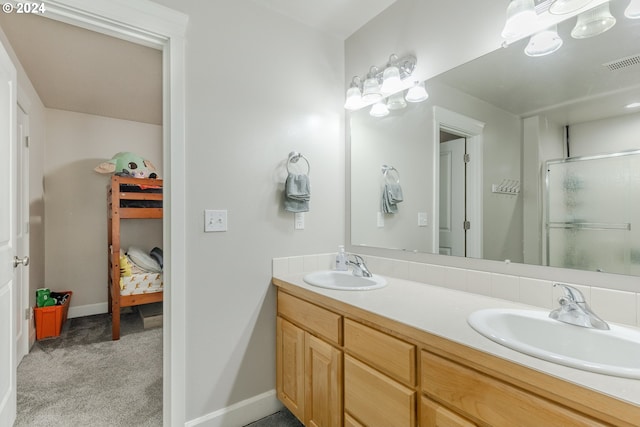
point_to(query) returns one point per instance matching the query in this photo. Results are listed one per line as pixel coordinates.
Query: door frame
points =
(471, 129)
(151, 24)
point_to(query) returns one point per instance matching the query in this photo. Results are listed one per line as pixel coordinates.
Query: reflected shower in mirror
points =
(510, 114)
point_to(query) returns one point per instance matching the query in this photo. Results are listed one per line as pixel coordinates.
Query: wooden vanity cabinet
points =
(308, 368)
(338, 365)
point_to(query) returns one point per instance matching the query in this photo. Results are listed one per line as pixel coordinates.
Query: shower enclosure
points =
(592, 213)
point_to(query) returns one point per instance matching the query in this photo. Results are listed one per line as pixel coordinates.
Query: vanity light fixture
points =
(521, 16)
(544, 43)
(417, 93)
(354, 95)
(633, 10)
(379, 84)
(562, 7)
(396, 102)
(391, 82)
(371, 87)
(379, 109)
(593, 22)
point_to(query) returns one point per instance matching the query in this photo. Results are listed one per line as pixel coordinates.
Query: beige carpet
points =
(82, 378)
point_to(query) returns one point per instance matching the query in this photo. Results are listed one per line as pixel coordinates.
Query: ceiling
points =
(570, 86)
(78, 70)
(84, 71)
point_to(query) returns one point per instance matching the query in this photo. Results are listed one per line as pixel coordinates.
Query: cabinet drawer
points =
(375, 400)
(388, 354)
(311, 317)
(434, 415)
(490, 400)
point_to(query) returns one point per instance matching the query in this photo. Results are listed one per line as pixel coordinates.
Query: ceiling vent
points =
(621, 63)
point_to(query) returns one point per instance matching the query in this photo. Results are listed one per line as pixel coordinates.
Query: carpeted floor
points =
(83, 378)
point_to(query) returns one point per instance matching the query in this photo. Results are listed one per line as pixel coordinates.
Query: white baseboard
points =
(241, 413)
(88, 310)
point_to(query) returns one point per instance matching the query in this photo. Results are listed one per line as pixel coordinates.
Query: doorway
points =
(154, 25)
(462, 220)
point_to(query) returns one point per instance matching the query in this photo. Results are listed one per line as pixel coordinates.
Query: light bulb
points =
(562, 7)
(544, 43)
(593, 22)
(417, 93)
(521, 17)
(354, 98)
(379, 109)
(633, 10)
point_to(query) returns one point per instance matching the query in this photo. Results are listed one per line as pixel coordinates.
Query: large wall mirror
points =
(544, 183)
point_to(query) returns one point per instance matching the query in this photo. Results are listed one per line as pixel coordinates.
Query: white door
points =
(7, 238)
(21, 278)
(452, 197)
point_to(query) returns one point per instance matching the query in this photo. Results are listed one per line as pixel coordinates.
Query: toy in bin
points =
(51, 312)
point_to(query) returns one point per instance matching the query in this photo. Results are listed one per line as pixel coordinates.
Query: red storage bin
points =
(49, 320)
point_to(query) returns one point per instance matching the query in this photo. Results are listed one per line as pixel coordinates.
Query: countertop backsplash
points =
(611, 305)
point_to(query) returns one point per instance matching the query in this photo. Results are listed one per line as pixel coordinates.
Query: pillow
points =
(144, 261)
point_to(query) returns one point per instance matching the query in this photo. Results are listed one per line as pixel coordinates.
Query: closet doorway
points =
(152, 25)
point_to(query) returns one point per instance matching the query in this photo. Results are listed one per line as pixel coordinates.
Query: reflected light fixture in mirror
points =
(379, 109)
(417, 93)
(593, 22)
(633, 10)
(562, 7)
(391, 82)
(396, 102)
(521, 17)
(544, 43)
(371, 88)
(354, 96)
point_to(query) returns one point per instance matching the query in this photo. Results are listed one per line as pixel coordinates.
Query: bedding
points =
(144, 283)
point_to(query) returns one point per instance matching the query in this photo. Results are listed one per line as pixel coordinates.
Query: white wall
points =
(76, 204)
(605, 136)
(259, 85)
(30, 102)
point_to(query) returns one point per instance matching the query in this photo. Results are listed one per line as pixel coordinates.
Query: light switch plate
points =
(380, 220)
(298, 221)
(215, 220)
(422, 219)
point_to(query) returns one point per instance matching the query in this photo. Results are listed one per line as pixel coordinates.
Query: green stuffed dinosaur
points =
(129, 164)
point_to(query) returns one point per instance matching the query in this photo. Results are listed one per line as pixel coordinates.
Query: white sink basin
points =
(614, 352)
(344, 280)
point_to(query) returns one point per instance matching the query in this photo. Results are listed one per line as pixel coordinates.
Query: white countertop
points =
(443, 312)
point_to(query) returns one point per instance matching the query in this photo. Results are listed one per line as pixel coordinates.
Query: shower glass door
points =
(591, 204)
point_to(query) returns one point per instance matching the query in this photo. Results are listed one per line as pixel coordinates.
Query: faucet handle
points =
(570, 293)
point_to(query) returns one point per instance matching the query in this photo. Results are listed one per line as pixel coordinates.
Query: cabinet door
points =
(290, 366)
(375, 400)
(435, 415)
(323, 371)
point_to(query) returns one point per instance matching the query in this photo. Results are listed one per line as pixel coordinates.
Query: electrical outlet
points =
(298, 221)
(215, 220)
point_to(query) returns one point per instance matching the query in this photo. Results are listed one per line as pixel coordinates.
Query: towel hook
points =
(294, 156)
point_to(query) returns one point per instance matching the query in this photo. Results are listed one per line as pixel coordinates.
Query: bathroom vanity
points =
(404, 355)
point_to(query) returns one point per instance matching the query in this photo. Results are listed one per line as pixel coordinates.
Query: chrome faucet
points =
(575, 310)
(359, 267)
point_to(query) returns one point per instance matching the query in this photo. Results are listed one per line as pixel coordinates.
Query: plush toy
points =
(126, 163)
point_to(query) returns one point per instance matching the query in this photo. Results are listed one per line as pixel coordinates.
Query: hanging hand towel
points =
(391, 196)
(297, 193)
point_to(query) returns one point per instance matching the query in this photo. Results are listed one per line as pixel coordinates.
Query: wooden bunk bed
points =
(128, 198)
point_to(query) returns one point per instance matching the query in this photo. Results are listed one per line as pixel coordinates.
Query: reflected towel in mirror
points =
(297, 193)
(391, 196)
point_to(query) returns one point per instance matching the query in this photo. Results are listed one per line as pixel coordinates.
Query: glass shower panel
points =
(591, 204)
